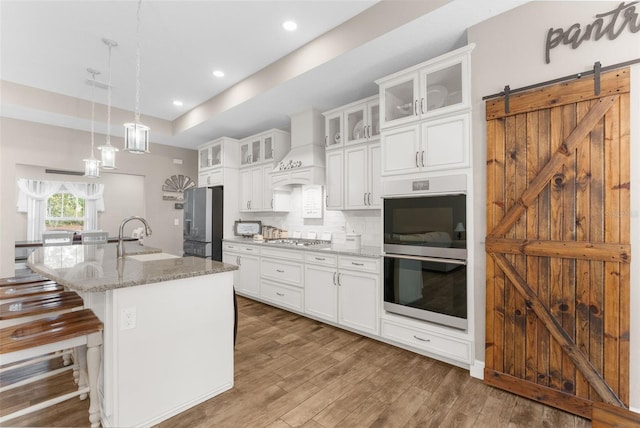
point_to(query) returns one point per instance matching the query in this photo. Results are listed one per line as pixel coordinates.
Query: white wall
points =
(28, 143)
(510, 51)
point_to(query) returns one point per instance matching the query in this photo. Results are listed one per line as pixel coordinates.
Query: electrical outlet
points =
(128, 318)
(176, 222)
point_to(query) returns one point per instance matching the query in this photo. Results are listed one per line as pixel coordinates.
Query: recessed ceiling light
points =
(218, 73)
(178, 103)
(289, 25)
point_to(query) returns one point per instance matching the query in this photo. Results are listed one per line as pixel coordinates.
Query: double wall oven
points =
(425, 251)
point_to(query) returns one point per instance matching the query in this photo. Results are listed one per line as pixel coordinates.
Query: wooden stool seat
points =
(30, 289)
(40, 337)
(22, 280)
(40, 305)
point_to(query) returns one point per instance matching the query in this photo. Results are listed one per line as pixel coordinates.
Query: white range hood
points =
(305, 163)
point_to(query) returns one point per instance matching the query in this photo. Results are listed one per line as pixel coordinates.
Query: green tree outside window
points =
(64, 212)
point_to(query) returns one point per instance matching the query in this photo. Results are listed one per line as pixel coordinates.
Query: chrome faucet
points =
(147, 231)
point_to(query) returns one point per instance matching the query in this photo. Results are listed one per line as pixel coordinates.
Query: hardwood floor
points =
(292, 371)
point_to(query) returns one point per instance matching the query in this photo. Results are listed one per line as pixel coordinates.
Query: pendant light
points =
(108, 151)
(136, 135)
(91, 164)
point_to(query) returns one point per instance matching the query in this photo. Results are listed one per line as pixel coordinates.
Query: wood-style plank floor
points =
(292, 371)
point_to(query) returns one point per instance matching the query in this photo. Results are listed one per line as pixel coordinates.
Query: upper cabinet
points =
(220, 152)
(269, 146)
(353, 123)
(213, 157)
(432, 88)
(426, 116)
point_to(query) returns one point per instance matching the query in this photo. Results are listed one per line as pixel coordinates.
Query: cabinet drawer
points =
(280, 253)
(290, 297)
(430, 342)
(241, 248)
(359, 263)
(282, 271)
(321, 259)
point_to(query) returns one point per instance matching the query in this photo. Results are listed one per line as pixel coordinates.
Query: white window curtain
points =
(33, 195)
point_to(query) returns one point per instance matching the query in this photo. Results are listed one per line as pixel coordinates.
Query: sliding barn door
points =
(558, 253)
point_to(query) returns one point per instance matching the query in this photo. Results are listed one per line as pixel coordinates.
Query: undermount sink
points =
(153, 256)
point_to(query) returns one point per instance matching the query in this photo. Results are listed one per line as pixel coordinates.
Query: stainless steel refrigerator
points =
(202, 231)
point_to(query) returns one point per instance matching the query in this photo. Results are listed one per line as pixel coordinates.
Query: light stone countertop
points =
(95, 268)
(364, 251)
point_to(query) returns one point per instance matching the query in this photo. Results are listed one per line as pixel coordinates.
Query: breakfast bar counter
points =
(168, 326)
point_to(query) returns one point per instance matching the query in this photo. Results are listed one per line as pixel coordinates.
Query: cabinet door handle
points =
(369, 199)
(326, 140)
(279, 271)
(357, 264)
(415, 107)
(368, 131)
(230, 246)
(280, 294)
(320, 258)
(339, 279)
(421, 339)
(249, 249)
(238, 257)
(364, 198)
(326, 201)
(422, 158)
(417, 164)
(335, 282)
(271, 203)
(422, 105)
(247, 204)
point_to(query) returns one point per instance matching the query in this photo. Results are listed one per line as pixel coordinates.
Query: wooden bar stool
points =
(31, 308)
(76, 329)
(20, 291)
(22, 279)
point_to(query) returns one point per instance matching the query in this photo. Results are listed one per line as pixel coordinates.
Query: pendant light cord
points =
(137, 113)
(93, 110)
(109, 100)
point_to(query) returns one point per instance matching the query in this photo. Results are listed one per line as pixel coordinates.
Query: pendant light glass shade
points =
(91, 167)
(136, 135)
(91, 164)
(136, 138)
(107, 150)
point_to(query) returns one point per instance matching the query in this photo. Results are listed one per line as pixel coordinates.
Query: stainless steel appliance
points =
(202, 231)
(425, 257)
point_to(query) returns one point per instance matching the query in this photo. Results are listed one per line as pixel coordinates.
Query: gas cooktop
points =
(298, 242)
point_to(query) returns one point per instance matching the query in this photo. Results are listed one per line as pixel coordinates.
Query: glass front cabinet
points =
(435, 87)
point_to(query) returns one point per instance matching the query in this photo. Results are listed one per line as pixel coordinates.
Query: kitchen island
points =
(168, 326)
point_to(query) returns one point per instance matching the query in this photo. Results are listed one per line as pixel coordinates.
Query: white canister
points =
(352, 241)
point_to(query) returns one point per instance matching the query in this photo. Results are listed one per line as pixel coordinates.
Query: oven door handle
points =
(427, 259)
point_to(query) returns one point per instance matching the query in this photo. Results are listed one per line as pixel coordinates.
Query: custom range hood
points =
(304, 164)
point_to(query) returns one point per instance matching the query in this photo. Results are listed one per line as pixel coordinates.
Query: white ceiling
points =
(49, 45)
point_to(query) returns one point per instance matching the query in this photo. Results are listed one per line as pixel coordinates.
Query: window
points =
(64, 212)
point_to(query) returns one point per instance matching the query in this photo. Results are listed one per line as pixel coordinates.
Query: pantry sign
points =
(610, 24)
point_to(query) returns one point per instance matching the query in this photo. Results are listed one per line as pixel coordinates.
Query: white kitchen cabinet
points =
(247, 258)
(334, 179)
(333, 129)
(433, 145)
(362, 177)
(436, 87)
(256, 191)
(343, 291)
(321, 289)
(362, 122)
(213, 159)
(269, 146)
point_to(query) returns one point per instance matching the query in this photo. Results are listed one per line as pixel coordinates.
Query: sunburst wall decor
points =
(174, 187)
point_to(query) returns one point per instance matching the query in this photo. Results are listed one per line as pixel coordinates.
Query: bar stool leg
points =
(80, 366)
(94, 353)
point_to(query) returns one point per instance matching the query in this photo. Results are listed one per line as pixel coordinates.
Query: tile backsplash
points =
(363, 222)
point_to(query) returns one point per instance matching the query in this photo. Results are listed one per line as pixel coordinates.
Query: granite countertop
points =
(95, 268)
(364, 251)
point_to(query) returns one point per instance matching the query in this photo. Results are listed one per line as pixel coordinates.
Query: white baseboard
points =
(477, 369)
(635, 409)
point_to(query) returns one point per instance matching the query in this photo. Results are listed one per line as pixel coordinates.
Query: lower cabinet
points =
(246, 279)
(335, 291)
(282, 295)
